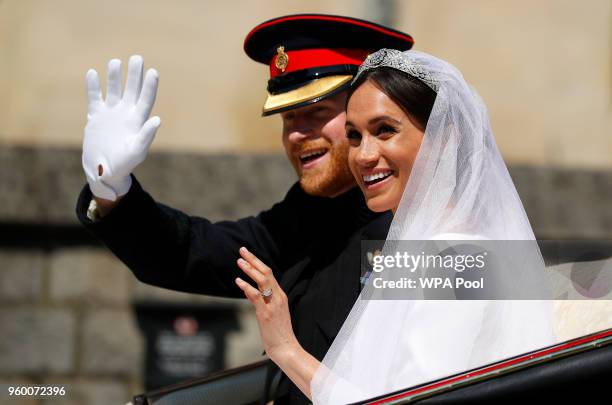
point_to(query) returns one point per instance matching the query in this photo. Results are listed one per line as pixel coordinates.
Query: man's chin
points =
(313, 187)
(326, 184)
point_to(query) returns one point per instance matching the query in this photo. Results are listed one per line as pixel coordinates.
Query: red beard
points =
(330, 177)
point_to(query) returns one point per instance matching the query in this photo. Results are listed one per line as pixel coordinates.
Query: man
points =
(312, 59)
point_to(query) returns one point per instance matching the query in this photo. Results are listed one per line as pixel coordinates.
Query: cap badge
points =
(282, 59)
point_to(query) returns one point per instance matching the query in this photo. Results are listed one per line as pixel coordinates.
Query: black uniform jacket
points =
(311, 243)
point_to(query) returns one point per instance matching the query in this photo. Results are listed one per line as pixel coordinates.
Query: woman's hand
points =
(273, 311)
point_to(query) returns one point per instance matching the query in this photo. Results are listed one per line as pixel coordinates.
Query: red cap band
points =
(310, 58)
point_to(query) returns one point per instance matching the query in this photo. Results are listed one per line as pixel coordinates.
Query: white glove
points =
(118, 131)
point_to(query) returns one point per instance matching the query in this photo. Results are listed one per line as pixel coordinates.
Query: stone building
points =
(66, 315)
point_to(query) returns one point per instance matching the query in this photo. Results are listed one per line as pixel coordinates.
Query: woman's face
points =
(383, 146)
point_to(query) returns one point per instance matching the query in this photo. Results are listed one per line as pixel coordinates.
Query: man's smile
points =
(312, 157)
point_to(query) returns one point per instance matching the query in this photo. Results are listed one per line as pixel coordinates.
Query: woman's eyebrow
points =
(375, 120)
(383, 118)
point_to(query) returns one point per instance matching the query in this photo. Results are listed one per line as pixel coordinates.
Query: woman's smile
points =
(377, 179)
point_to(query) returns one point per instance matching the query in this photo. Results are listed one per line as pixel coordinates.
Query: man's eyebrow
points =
(311, 109)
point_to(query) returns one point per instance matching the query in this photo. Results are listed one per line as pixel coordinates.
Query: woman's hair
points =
(412, 95)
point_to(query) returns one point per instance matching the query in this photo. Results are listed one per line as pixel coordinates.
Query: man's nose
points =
(298, 136)
(301, 130)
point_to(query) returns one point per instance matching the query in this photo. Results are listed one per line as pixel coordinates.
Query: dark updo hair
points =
(412, 95)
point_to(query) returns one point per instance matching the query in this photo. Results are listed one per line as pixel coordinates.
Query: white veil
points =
(459, 188)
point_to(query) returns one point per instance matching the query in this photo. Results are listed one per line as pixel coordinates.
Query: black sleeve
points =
(167, 248)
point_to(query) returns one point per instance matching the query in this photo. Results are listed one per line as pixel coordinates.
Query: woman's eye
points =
(386, 129)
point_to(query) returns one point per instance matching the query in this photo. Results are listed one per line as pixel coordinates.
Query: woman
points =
(421, 146)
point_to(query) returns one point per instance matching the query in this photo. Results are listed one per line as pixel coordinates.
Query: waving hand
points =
(119, 131)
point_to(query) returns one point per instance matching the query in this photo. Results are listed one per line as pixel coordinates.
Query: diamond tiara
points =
(401, 61)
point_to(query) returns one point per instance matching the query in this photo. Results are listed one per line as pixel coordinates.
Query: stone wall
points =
(67, 319)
